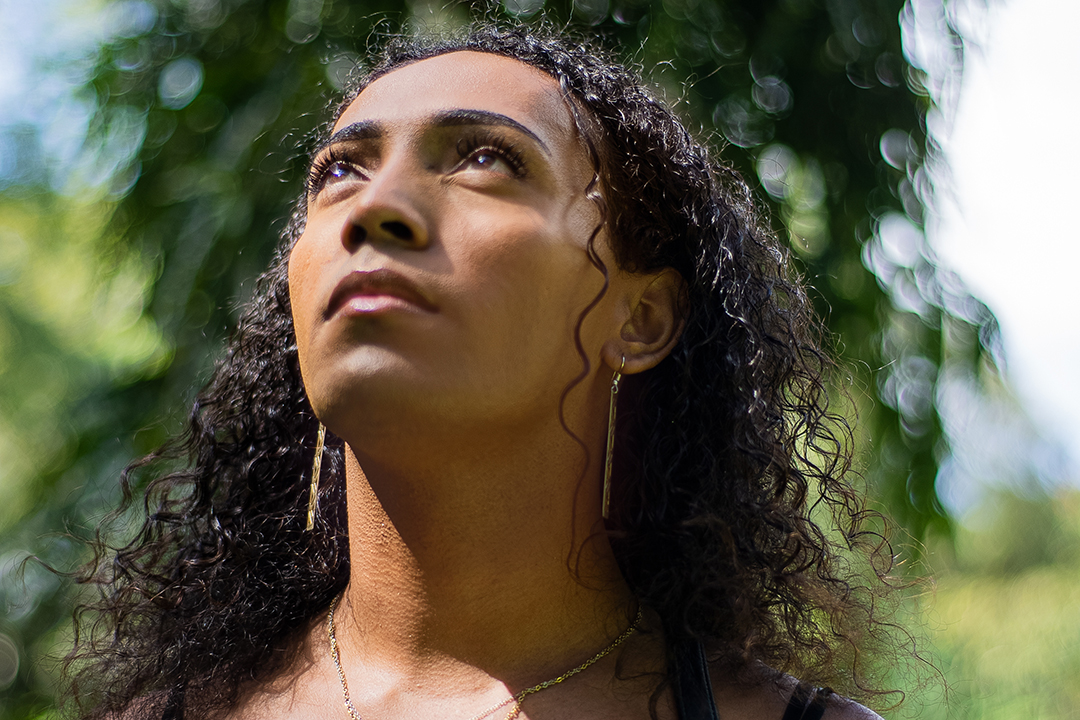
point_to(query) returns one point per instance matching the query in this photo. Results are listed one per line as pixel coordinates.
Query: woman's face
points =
(443, 265)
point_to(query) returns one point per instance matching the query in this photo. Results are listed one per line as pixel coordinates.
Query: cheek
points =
(531, 279)
(301, 276)
(509, 261)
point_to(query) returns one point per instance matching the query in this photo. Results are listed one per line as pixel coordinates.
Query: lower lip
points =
(372, 304)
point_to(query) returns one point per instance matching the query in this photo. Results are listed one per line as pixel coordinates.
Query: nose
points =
(386, 212)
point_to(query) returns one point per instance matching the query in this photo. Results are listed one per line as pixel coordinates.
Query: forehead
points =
(466, 80)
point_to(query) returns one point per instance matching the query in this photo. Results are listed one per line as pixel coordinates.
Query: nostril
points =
(355, 234)
(399, 230)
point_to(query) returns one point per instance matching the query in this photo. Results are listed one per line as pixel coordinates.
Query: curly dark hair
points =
(735, 520)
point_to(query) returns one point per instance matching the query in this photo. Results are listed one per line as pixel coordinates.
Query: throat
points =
(441, 591)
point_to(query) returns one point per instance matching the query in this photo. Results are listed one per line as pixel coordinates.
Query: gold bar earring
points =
(610, 455)
(313, 498)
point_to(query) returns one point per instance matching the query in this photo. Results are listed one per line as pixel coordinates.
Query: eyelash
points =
(467, 147)
(321, 165)
(496, 145)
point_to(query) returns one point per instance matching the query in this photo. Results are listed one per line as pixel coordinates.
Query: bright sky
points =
(1014, 237)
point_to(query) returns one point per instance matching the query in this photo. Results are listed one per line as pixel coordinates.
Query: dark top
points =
(693, 690)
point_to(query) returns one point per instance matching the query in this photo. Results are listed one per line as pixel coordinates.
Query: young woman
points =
(575, 430)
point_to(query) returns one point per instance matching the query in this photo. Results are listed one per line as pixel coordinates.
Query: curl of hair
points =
(727, 453)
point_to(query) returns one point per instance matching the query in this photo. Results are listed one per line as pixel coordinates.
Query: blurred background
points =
(916, 156)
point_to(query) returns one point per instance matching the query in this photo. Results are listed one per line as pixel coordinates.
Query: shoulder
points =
(838, 707)
(768, 695)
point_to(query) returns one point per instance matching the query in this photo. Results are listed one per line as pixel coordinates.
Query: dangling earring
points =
(313, 498)
(610, 455)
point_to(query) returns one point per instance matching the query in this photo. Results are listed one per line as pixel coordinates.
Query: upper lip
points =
(377, 282)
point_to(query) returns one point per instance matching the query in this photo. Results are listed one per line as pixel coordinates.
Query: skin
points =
(476, 567)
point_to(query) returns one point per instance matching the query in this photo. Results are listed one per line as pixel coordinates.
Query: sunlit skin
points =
(460, 183)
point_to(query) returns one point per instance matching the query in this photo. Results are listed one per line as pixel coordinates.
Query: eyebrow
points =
(371, 129)
(450, 118)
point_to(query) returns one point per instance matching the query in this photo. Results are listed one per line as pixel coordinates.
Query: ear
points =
(656, 316)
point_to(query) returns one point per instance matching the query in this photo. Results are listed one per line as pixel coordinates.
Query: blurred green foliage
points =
(1006, 611)
(814, 98)
(73, 335)
(115, 296)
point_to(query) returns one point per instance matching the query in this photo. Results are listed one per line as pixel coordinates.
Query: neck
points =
(480, 562)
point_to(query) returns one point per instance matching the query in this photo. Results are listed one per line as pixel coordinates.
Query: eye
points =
(488, 160)
(490, 154)
(331, 169)
(336, 171)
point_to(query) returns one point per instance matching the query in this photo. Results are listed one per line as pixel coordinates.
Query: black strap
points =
(693, 687)
(806, 703)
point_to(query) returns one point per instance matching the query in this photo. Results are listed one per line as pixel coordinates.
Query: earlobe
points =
(655, 322)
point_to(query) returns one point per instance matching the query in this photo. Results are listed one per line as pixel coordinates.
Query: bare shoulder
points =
(767, 695)
(838, 707)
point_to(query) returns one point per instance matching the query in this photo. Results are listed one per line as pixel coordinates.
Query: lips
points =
(374, 290)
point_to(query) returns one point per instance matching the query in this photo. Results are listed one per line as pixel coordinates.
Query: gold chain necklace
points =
(516, 699)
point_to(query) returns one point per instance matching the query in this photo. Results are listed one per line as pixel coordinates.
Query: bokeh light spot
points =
(180, 82)
(523, 8)
(130, 18)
